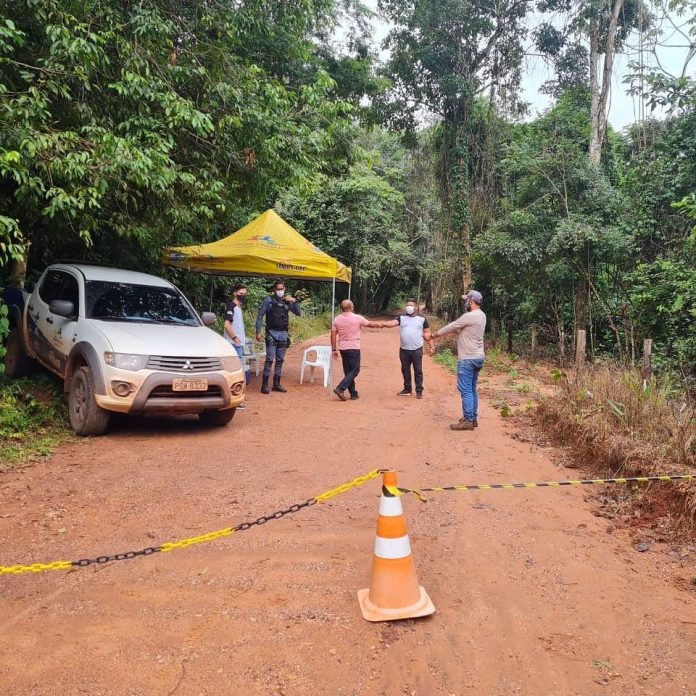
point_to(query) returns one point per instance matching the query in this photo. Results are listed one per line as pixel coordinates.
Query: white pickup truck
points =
(122, 341)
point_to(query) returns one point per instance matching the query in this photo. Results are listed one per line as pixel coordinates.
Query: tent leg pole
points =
(333, 316)
(210, 305)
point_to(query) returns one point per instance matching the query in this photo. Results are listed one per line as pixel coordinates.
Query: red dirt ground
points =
(533, 595)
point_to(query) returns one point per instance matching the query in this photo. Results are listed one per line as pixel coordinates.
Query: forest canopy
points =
(127, 126)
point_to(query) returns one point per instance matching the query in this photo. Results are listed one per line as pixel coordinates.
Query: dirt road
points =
(533, 595)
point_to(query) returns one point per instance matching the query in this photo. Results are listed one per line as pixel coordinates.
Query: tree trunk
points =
(600, 96)
(595, 147)
(509, 335)
(467, 277)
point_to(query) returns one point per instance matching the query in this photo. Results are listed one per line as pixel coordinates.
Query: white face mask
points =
(280, 293)
(410, 309)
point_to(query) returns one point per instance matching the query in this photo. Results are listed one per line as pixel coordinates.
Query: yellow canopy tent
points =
(267, 246)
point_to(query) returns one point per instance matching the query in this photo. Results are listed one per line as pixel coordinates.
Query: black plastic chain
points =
(126, 556)
(274, 516)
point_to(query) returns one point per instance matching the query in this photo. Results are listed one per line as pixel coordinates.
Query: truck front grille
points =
(187, 366)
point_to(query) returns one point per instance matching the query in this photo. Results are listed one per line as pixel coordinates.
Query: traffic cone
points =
(394, 592)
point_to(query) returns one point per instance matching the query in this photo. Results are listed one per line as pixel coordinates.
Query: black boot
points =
(277, 386)
(264, 386)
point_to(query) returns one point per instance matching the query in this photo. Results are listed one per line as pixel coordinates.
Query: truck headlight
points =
(231, 363)
(126, 361)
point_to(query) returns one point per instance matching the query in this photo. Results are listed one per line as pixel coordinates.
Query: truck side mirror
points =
(62, 308)
(208, 318)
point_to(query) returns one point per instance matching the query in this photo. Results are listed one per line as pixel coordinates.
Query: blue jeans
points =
(467, 379)
(247, 369)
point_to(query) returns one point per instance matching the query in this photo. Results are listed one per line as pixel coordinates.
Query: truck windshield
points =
(152, 304)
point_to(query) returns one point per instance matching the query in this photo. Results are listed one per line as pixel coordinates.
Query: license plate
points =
(190, 385)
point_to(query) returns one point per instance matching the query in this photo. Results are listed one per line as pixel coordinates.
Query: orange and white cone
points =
(394, 592)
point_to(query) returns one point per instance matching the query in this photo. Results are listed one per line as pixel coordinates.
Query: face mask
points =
(241, 298)
(410, 309)
(280, 293)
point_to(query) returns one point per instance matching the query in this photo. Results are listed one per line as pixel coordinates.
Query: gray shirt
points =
(471, 327)
(411, 327)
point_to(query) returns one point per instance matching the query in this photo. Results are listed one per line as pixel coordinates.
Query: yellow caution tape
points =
(393, 491)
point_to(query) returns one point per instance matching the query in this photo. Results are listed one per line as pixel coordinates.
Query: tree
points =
(445, 53)
(156, 122)
(360, 218)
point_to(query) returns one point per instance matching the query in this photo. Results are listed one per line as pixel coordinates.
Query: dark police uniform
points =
(276, 312)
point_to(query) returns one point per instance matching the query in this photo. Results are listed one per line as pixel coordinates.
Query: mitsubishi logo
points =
(187, 365)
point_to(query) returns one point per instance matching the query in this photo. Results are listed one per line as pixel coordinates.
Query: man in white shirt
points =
(413, 328)
(233, 329)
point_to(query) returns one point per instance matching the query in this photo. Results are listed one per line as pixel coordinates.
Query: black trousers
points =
(412, 358)
(351, 369)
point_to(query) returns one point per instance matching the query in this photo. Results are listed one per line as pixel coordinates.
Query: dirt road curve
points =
(533, 595)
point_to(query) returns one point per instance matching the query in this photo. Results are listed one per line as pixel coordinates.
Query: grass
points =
(613, 426)
(447, 359)
(307, 326)
(33, 420)
(302, 328)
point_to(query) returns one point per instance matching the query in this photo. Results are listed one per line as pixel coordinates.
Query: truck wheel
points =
(217, 417)
(17, 362)
(86, 417)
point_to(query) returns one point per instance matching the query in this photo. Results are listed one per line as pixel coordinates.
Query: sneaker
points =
(404, 392)
(462, 425)
(419, 395)
(339, 393)
(265, 389)
(355, 396)
(279, 388)
(475, 422)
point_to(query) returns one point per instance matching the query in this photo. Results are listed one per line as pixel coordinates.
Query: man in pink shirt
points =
(345, 336)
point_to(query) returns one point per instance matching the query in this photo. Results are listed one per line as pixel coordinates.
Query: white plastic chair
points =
(254, 352)
(323, 360)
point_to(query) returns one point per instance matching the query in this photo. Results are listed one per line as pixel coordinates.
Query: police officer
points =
(275, 308)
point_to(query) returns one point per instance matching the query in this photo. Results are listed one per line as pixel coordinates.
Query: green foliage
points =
(33, 419)
(151, 121)
(447, 359)
(359, 217)
(663, 294)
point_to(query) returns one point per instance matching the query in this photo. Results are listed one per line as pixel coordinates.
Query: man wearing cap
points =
(470, 356)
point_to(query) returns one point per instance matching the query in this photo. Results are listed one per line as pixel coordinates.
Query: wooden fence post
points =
(580, 350)
(534, 341)
(647, 362)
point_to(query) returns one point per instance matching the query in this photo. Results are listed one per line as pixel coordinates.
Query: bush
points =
(613, 426)
(33, 419)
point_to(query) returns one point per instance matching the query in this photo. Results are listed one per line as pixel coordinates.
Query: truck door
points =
(51, 335)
